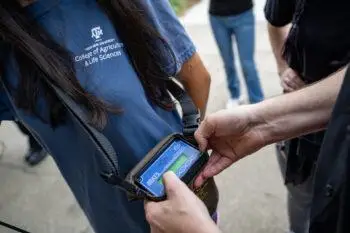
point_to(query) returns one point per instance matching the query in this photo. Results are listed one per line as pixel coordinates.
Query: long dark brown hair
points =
(39, 57)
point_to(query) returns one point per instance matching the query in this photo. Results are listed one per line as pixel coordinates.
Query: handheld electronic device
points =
(174, 153)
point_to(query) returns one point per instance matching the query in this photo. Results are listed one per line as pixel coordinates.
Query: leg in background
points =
(245, 36)
(36, 153)
(299, 200)
(223, 36)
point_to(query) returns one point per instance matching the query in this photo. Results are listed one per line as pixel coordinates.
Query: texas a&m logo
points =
(96, 33)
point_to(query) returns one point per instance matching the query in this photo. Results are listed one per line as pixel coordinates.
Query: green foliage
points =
(179, 5)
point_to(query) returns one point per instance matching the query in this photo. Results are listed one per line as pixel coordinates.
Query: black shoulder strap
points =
(190, 113)
(110, 159)
(191, 120)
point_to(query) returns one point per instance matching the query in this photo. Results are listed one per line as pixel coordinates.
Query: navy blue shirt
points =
(104, 69)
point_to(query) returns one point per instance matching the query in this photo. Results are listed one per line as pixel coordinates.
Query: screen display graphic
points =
(178, 158)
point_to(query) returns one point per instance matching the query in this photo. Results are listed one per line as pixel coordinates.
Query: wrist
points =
(263, 123)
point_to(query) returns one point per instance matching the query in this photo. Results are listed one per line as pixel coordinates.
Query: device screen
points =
(178, 158)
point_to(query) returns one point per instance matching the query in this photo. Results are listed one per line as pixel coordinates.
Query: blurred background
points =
(252, 192)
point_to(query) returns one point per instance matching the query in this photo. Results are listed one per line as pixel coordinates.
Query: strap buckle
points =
(131, 190)
(191, 124)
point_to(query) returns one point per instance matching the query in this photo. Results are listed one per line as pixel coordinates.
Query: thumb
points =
(205, 130)
(173, 185)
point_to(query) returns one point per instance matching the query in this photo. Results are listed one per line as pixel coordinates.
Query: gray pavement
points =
(252, 193)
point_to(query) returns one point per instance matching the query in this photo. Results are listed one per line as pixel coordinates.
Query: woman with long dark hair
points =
(111, 57)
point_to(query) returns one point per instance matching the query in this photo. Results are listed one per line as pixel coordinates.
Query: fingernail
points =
(169, 174)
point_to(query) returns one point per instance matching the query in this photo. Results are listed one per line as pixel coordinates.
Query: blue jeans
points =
(242, 27)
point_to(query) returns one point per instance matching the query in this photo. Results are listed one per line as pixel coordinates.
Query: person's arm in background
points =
(279, 14)
(190, 70)
(196, 80)
(277, 36)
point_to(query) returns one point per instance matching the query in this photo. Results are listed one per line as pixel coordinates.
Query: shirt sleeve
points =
(169, 26)
(279, 13)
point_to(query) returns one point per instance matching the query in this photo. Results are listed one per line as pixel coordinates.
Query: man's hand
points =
(232, 135)
(182, 212)
(291, 81)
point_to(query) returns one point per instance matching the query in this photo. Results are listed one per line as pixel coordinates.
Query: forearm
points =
(298, 113)
(196, 80)
(278, 37)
